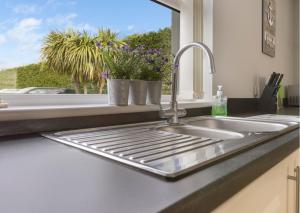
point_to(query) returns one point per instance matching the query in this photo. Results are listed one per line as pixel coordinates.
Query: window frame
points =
(101, 99)
(196, 24)
(19, 100)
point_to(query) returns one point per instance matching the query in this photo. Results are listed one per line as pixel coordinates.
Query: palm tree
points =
(84, 58)
(54, 54)
(79, 55)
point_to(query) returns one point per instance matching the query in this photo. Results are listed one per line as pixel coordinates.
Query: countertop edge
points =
(210, 197)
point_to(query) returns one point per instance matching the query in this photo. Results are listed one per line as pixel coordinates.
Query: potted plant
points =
(120, 64)
(138, 84)
(154, 69)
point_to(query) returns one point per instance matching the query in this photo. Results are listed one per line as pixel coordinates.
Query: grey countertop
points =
(40, 176)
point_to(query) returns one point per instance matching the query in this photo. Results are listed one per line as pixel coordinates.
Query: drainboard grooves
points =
(101, 131)
(144, 146)
(178, 139)
(121, 140)
(162, 147)
(133, 143)
(169, 148)
(141, 143)
(116, 135)
(157, 156)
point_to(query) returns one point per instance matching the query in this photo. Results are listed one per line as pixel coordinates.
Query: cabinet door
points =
(270, 193)
(293, 163)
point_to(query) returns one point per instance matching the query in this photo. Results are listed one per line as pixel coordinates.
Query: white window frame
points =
(27, 107)
(19, 100)
(196, 24)
(192, 28)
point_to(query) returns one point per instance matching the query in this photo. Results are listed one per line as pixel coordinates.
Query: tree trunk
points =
(101, 85)
(85, 88)
(76, 86)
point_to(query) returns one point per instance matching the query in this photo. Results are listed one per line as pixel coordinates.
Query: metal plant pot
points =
(118, 91)
(138, 92)
(154, 92)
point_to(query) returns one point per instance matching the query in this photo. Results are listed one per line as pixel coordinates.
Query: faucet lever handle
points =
(166, 113)
(170, 115)
(181, 112)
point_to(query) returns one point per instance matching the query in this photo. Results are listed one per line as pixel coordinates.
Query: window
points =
(25, 27)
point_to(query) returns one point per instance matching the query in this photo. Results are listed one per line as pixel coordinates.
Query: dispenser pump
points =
(220, 91)
(219, 107)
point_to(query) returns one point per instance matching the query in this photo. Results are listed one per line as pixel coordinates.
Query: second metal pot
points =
(154, 92)
(138, 92)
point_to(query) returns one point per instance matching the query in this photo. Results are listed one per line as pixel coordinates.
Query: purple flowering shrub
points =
(125, 62)
(120, 63)
(155, 65)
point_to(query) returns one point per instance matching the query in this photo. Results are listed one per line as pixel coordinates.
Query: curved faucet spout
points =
(173, 113)
(198, 45)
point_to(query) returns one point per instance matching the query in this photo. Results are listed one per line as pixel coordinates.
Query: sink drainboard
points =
(163, 153)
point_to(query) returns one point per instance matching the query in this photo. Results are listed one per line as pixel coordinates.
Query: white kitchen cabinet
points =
(272, 192)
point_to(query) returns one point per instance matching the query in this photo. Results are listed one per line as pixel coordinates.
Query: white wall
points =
(237, 45)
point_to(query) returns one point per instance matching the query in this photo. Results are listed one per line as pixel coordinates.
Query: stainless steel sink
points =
(238, 125)
(173, 150)
(201, 132)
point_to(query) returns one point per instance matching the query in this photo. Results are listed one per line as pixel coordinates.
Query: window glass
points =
(56, 46)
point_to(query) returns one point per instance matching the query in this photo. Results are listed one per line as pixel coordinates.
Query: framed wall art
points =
(269, 27)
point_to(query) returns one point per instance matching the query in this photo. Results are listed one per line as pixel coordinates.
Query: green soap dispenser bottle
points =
(219, 107)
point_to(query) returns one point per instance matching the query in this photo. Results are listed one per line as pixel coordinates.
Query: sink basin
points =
(172, 150)
(238, 125)
(201, 132)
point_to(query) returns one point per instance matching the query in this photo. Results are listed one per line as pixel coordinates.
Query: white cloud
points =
(86, 27)
(24, 26)
(24, 38)
(67, 21)
(26, 8)
(130, 27)
(25, 32)
(28, 24)
(62, 20)
(2, 39)
(50, 1)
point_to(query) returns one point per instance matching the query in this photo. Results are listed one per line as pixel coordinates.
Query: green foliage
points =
(150, 41)
(78, 55)
(34, 75)
(155, 65)
(72, 57)
(8, 79)
(108, 39)
(54, 50)
(122, 63)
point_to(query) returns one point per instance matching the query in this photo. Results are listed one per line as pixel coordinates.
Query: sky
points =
(24, 23)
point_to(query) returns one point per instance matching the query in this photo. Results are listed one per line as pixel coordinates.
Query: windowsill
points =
(14, 113)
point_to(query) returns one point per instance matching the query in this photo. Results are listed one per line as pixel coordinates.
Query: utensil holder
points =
(268, 100)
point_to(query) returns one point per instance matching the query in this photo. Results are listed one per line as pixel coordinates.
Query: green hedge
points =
(8, 79)
(33, 75)
(160, 39)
